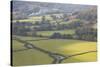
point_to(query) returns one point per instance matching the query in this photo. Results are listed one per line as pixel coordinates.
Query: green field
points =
(64, 46)
(30, 57)
(33, 19)
(61, 46)
(49, 33)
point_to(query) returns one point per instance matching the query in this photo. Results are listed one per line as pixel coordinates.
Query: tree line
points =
(29, 29)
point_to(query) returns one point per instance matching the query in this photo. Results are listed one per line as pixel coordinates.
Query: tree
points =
(37, 23)
(89, 34)
(56, 35)
(43, 19)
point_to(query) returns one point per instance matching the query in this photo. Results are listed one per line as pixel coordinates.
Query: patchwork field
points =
(65, 47)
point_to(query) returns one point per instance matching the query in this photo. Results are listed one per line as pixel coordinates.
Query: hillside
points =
(23, 9)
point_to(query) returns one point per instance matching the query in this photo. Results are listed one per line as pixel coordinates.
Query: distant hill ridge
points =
(22, 9)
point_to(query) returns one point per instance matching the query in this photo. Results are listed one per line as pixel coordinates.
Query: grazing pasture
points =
(65, 47)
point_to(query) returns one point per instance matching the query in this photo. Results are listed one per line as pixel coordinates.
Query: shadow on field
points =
(37, 39)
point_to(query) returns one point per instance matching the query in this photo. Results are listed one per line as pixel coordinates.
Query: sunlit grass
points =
(49, 33)
(30, 57)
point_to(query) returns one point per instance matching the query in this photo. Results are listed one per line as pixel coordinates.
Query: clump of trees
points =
(88, 15)
(89, 34)
(21, 28)
(47, 25)
(57, 35)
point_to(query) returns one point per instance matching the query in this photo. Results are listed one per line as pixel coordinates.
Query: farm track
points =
(58, 58)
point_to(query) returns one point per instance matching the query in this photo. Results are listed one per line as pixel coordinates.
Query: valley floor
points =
(57, 47)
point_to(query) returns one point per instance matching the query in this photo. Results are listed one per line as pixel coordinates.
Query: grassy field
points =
(64, 46)
(30, 57)
(33, 19)
(61, 46)
(49, 33)
(90, 57)
(17, 45)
